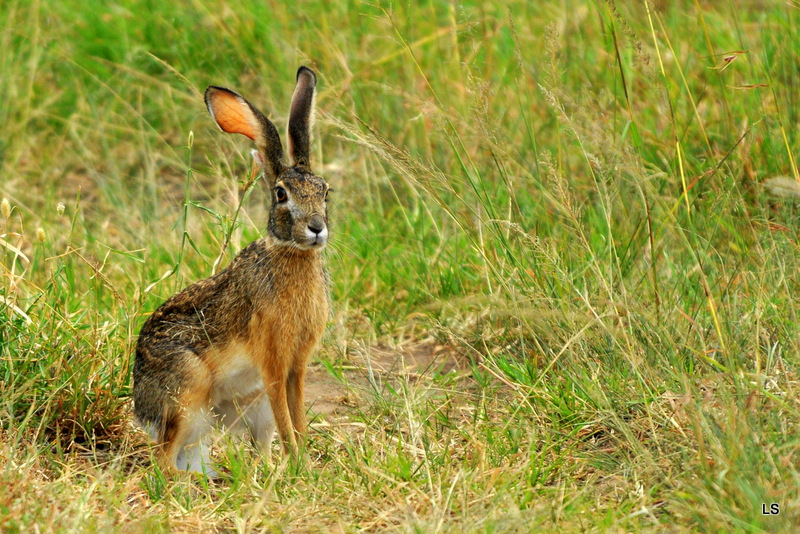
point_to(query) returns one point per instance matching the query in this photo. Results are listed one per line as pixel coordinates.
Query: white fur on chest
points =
(239, 378)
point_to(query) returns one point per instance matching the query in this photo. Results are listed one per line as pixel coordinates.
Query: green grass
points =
(566, 198)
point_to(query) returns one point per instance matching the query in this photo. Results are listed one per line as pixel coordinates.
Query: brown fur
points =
(217, 348)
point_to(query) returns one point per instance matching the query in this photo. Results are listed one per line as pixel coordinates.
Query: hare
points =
(234, 347)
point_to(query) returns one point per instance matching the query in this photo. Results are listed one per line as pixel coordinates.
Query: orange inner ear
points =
(233, 115)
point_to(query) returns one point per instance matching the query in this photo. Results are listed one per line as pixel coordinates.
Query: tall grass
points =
(565, 198)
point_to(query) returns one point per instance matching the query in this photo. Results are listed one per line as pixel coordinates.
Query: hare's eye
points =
(280, 194)
(326, 194)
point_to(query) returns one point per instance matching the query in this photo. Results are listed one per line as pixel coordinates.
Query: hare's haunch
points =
(233, 348)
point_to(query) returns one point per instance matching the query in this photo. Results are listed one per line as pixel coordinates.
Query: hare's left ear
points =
(301, 116)
(234, 114)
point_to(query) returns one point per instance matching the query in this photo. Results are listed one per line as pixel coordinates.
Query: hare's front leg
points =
(274, 372)
(275, 382)
(296, 398)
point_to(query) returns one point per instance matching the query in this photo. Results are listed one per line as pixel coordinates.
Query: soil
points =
(328, 395)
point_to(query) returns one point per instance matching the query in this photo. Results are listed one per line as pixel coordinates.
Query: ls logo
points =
(770, 509)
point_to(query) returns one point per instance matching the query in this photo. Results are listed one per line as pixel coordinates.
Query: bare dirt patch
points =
(328, 395)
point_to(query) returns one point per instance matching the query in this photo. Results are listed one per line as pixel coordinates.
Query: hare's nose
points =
(316, 224)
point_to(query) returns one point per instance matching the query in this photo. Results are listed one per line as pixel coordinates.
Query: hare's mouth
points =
(316, 238)
(312, 239)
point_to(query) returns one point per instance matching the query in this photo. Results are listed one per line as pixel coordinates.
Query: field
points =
(564, 261)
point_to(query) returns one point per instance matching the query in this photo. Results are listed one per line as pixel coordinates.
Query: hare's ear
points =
(301, 117)
(234, 114)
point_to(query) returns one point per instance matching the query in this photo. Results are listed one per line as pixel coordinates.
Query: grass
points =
(563, 202)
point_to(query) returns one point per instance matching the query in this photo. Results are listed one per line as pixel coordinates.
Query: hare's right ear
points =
(234, 114)
(301, 118)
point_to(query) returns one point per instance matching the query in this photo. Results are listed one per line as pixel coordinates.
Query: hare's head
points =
(299, 214)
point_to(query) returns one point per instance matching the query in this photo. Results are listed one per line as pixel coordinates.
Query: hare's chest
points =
(300, 319)
(297, 310)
